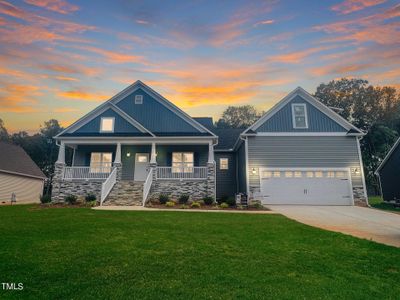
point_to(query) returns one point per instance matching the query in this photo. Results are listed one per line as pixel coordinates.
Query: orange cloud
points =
(341, 69)
(115, 57)
(349, 6)
(59, 6)
(70, 69)
(18, 98)
(64, 78)
(297, 56)
(265, 22)
(83, 95)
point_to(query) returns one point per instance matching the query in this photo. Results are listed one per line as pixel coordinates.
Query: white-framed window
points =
(299, 116)
(107, 124)
(100, 162)
(182, 162)
(223, 163)
(138, 99)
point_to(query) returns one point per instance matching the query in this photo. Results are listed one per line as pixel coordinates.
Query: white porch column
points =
(210, 152)
(61, 154)
(153, 158)
(117, 159)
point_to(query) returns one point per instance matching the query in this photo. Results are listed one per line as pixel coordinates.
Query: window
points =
(223, 164)
(141, 158)
(138, 99)
(299, 116)
(319, 174)
(277, 174)
(297, 174)
(107, 125)
(330, 174)
(310, 174)
(182, 162)
(266, 174)
(288, 174)
(100, 162)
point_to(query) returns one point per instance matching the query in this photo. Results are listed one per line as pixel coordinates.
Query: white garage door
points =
(306, 186)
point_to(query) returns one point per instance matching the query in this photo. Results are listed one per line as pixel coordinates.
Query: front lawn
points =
(79, 253)
(377, 202)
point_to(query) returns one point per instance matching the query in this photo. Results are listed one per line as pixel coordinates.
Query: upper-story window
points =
(138, 99)
(107, 124)
(299, 115)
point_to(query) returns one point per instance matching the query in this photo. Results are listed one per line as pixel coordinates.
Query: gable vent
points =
(138, 99)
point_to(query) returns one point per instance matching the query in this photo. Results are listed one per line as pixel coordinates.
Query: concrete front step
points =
(125, 193)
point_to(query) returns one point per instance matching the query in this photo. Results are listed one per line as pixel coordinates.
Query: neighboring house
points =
(19, 175)
(388, 173)
(138, 145)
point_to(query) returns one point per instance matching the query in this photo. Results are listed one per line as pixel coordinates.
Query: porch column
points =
(153, 158)
(61, 154)
(210, 153)
(117, 159)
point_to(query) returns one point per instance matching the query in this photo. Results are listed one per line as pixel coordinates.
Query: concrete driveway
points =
(368, 223)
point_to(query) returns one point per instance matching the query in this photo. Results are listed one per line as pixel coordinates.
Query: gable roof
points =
(388, 155)
(207, 122)
(14, 160)
(227, 138)
(121, 95)
(311, 100)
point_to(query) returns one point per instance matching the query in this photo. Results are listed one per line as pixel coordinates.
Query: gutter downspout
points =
(247, 164)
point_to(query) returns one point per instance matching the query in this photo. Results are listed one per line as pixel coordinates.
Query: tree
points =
(3, 132)
(375, 110)
(238, 117)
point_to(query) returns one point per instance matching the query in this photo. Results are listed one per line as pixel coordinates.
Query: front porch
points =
(135, 172)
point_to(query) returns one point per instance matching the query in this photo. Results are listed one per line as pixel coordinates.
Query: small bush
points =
(208, 200)
(183, 199)
(184, 206)
(224, 205)
(231, 201)
(222, 199)
(45, 199)
(256, 205)
(170, 204)
(90, 203)
(163, 198)
(71, 199)
(90, 197)
(195, 205)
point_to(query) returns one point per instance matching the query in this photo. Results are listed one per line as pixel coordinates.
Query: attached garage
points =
(306, 186)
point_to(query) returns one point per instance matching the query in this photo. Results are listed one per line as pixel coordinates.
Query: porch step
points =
(125, 192)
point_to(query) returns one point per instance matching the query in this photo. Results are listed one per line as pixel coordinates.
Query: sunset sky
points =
(60, 59)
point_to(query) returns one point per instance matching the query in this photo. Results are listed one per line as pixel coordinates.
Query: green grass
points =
(377, 202)
(78, 253)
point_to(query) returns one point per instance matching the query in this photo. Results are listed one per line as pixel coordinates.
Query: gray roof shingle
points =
(14, 159)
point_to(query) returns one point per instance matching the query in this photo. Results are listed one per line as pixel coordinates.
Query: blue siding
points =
(317, 120)
(153, 115)
(241, 166)
(121, 125)
(226, 179)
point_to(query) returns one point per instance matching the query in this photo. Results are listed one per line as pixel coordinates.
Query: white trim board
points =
(22, 174)
(311, 100)
(300, 134)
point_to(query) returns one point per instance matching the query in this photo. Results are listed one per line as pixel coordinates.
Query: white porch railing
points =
(179, 173)
(97, 172)
(147, 185)
(107, 185)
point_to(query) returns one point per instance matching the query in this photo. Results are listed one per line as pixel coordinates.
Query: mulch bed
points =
(204, 207)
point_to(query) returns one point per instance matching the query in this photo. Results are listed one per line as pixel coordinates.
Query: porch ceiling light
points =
(128, 154)
(254, 171)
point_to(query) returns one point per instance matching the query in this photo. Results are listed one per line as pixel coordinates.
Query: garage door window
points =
(297, 174)
(340, 174)
(266, 174)
(288, 174)
(310, 174)
(319, 174)
(277, 174)
(330, 174)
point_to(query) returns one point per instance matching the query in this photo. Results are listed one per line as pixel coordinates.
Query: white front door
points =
(306, 186)
(141, 166)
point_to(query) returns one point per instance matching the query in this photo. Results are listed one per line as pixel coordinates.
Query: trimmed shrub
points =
(256, 205)
(170, 204)
(163, 198)
(184, 206)
(71, 199)
(208, 200)
(90, 197)
(231, 201)
(195, 205)
(45, 199)
(223, 205)
(183, 199)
